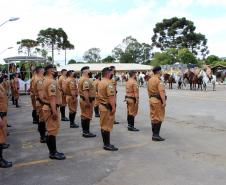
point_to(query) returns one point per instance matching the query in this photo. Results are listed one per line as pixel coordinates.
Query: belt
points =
(91, 99)
(107, 105)
(3, 114)
(157, 96)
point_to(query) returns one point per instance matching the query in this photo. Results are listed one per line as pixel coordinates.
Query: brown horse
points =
(169, 79)
(193, 80)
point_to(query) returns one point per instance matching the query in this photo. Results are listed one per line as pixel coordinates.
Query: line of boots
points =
(96, 111)
(130, 120)
(42, 131)
(156, 130)
(4, 163)
(53, 153)
(86, 128)
(62, 111)
(34, 117)
(72, 120)
(106, 141)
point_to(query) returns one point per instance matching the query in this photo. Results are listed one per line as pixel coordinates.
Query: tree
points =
(161, 58)
(26, 46)
(52, 38)
(66, 45)
(211, 59)
(179, 33)
(131, 51)
(92, 55)
(186, 57)
(108, 59)
(72, 61)
(43, 52)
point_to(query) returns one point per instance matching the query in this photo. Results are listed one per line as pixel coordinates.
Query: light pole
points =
(9, 20)
(5, 50)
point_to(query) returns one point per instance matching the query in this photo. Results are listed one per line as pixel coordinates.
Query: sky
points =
(105, 23)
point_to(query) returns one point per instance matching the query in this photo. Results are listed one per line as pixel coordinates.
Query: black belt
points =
(91, 99)
(157, 96)
(108, 106)
(3, 114)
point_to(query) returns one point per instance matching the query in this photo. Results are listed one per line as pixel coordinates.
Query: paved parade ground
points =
(194, 152)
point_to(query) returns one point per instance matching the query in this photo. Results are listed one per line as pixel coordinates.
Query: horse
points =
(169, 79)
(207, 79)
(192, 79)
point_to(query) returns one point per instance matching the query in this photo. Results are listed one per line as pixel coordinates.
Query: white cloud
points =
(92, 29)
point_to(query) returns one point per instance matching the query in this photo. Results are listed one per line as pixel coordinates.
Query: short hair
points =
(38, 68)
(63, 70)
(106, 70)
(156, 69)
(50, 66)
(69, 73)
(131, 73)
(84, 68)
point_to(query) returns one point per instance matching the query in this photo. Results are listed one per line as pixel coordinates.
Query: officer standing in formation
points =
(71, 91)
(33, 100)
(157, 100)
(106, 94)
(114, 83)
(87, 94)
(61, 80)
(16, 88)
(132, 100)
(38, 91)
(52, 100)
(96, 104)
(3, 124)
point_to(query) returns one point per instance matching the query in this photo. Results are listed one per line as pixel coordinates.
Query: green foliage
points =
(179, 33)
(217, 63)
(26, 46)
(72, 61)
(186, 57)
(161, 58)
(131, 51)
(92, 55)
(108, 59)
(211, 59)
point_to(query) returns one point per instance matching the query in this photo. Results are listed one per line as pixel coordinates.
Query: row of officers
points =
(50, 95)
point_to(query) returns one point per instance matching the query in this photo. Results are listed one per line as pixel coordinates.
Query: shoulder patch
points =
(40, 82)
(110, 86)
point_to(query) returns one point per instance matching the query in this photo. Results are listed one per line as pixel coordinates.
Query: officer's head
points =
(107, 72)
(157, 70)
(132, 74)
(51, 70)
(70, 73)
(64, 72)
(86, 72)
(17, 75)
(39, 70)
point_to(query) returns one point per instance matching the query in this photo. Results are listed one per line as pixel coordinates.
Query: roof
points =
(24, 58)
(99, 66)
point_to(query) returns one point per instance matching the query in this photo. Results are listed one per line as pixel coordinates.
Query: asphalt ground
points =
(194, 152)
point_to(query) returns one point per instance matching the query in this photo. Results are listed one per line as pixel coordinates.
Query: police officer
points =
(3, 124)
(96, 104)
(11, 88)
(62, 78)
(33, 100)
(38, 92)
(87, 96)
(52, 101)
(16, 89)
(71, 91)
(106, 94)
(157, 100)
(114, 83)
(132, 100)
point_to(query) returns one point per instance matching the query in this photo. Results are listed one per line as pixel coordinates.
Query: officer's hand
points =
(55, 115)
(113, 112)
(164, 105)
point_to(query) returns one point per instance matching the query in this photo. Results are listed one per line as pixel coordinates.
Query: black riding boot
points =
(5, 146)
(34, 116)
(106, 141)
(3, 162)
(13, 100)
(130, 120)
(53, 153)
(85, 128)
(42, 132)
(17, 105)
(72, 120)
(96, 110)
(156, 129)
(62, 111)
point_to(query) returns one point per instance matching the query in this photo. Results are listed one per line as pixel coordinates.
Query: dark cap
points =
(50, 66)
(112, 67)
(84, 68)
(106, 69)
(63, 70)
(69, 72)
(156, 69)
(38, 68)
